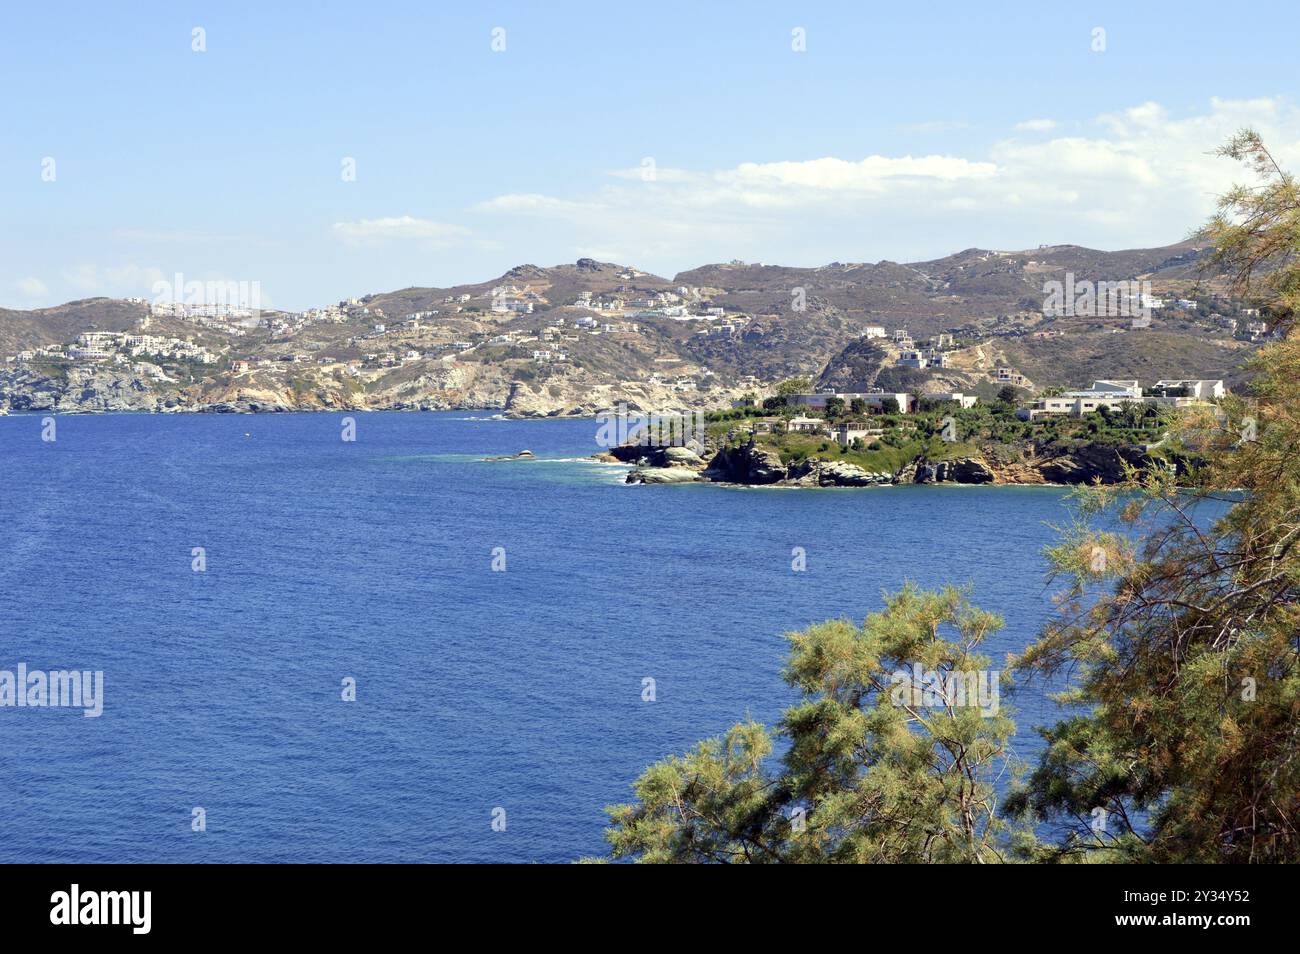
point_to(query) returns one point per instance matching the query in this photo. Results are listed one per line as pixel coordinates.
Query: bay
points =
(372, 560)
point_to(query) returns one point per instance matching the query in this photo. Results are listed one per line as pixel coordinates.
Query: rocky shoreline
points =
(102, 388)
(756, 465)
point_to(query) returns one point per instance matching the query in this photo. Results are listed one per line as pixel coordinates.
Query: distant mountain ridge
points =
(543, 337)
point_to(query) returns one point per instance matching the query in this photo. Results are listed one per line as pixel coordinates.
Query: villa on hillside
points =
(1117, 393)
(913, 359)
(1081, 402)
(1201, 390)
(965, 400)
(850, 431)
(806, 425)
(1011, 376)
(873, 399)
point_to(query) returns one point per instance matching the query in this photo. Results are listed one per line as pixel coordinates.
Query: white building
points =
(806, 425)
(873, 399)
(965, 400)
(1078, 403)
(848, 432)
(913, 359)
(1201, 390)
(1011, 376)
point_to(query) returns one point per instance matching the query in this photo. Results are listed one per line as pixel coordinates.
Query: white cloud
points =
(181, 236)
(398, 228)
(937, 126)
(1139, 176)
(869, 175)
(31, 287)
(110, 280)
(531, 203)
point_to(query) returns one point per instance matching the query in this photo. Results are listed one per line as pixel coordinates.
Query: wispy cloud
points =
(937, 126)
(31, 287)
(112, 280)
(398, 228)
(532, 203)
(1138, 176)
(181, 236)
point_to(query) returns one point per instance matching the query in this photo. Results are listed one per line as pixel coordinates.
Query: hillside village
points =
(828, 438)
(574, 339)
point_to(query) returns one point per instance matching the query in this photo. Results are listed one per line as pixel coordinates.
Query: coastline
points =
(637, 461)
(213, 409)
(758, 465)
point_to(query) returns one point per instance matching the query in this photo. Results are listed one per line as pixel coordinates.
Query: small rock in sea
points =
(522, 455)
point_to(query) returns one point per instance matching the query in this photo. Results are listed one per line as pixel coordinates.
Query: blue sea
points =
(479, 694)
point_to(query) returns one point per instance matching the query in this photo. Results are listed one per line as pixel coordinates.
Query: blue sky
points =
(662, 135)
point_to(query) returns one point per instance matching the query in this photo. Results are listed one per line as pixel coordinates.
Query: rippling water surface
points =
(372, 560)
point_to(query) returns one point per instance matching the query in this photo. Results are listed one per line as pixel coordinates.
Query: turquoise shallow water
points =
(475, 689)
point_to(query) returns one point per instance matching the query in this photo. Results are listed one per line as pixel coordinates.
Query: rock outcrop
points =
(761, 465)
(814, 472)
(84, 389)
(659, 465)
(1092, 463)
(747, 464)
(962, 470)
(522, 455)
(664, 475)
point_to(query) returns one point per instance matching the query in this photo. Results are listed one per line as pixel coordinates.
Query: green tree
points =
(1177, 638)
(875, 769)
(1188, 745)
(1256, 231)
(834, 408)
(793, 386)
(1008, 394)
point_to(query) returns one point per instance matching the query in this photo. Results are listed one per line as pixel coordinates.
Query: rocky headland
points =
(762, 465)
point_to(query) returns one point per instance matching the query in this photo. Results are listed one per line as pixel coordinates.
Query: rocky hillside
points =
(575, 336)
(760, 464)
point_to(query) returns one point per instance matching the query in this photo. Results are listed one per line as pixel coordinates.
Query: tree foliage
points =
(1187, 644)
(872, 771)
(1177, 638)
(1256, 231)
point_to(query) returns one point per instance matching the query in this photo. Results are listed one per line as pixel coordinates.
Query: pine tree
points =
(1189, 746)
(879, 765)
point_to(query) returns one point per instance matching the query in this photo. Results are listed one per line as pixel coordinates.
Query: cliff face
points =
(761, 465)
(856, 368)
(455, 386)
(84, 389)
(1086, 464)
(750, 464)
(963, 470)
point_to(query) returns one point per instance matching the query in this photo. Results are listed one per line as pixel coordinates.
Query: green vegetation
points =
(940, 430)
(888, 459)
(1175, 637)
(864, 779)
